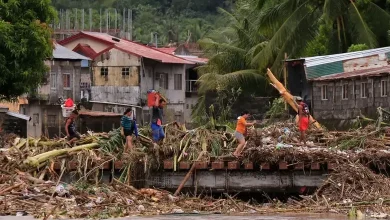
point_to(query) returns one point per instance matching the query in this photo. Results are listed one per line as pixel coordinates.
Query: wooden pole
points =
(285, 78)
(188, 175)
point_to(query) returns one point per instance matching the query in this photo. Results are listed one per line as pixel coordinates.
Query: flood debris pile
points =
(30, 181)
(24, 194)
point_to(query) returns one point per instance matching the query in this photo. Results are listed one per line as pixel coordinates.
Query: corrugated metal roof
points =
(318, 60)
(99, 114)
(357, 73)
(130, 47)
(86, 50)
(169, 50)
(17, 115)
(195, 59)
(324, 69)
(60, 52)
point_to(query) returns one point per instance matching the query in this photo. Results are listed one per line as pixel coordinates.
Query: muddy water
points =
(218, 217)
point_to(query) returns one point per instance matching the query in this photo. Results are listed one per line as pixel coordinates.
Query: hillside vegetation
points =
(172, 20)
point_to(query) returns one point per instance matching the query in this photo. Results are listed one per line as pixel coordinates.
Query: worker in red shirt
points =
(304, 115)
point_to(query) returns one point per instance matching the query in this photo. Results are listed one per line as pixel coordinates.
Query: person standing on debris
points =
(241, 131)
(304, 115)
(157, 115)
(70, 128)
(128, 128)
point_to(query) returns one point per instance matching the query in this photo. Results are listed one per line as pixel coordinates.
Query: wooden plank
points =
(283, 165)
(184, 165)
(299, 166)
(315, 166)
(201, 165)
(265, 166)
(233, 165)
(168, 165)
(218, 165)
(118, 165)
(248, 166)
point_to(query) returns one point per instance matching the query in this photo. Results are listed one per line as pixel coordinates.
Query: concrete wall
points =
(346, 109)
(376, 61)
(46, 120)
(53, 88)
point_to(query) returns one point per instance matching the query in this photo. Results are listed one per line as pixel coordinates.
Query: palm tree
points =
(230, 50)
(295, 23)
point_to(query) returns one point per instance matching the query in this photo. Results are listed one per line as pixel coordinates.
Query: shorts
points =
(157, 132)
(73, 135)
(127, 132)
(303, 123)
(238, 135)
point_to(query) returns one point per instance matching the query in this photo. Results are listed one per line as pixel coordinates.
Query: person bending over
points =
(70, 128)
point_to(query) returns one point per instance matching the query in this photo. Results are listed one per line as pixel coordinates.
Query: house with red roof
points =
(123, 71)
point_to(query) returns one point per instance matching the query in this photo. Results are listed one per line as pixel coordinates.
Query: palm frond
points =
(363, 34)
(268, 54)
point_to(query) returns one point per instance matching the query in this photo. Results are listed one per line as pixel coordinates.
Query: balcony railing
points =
(191, 86)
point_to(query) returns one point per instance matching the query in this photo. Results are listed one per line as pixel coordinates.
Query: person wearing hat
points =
(303, 114)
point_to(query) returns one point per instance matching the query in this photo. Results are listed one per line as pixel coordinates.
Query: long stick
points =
(10, 188)
(188, 175)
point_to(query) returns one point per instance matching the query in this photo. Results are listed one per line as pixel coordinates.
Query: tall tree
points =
(295, 23)
(25, 42)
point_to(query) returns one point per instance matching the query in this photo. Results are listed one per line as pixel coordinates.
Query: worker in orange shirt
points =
(241, 131)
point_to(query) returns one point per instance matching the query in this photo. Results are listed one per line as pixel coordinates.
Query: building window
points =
(187, 106)
(384, 88)
(125, 72)
(52, 121)
(104, 71)
(163, 80)
(35, 119)
(178, 81)
(364, 90)
(345, 91)
(53, 80)
(324, 92)
(66, 80)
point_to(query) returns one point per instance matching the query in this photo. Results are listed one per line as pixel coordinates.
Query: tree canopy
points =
(172, 20)
(25, 42)
(260, 32)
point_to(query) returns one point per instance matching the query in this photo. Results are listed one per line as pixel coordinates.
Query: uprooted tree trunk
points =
(40, 158)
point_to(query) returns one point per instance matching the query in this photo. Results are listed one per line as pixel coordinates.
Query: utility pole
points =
(82, 20)
(76, 21)
(285, 78)
(100, 21)
(90, 19)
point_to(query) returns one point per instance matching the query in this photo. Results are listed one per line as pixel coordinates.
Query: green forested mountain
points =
(173, 20)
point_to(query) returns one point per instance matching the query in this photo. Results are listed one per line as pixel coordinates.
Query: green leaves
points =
(25, 42)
